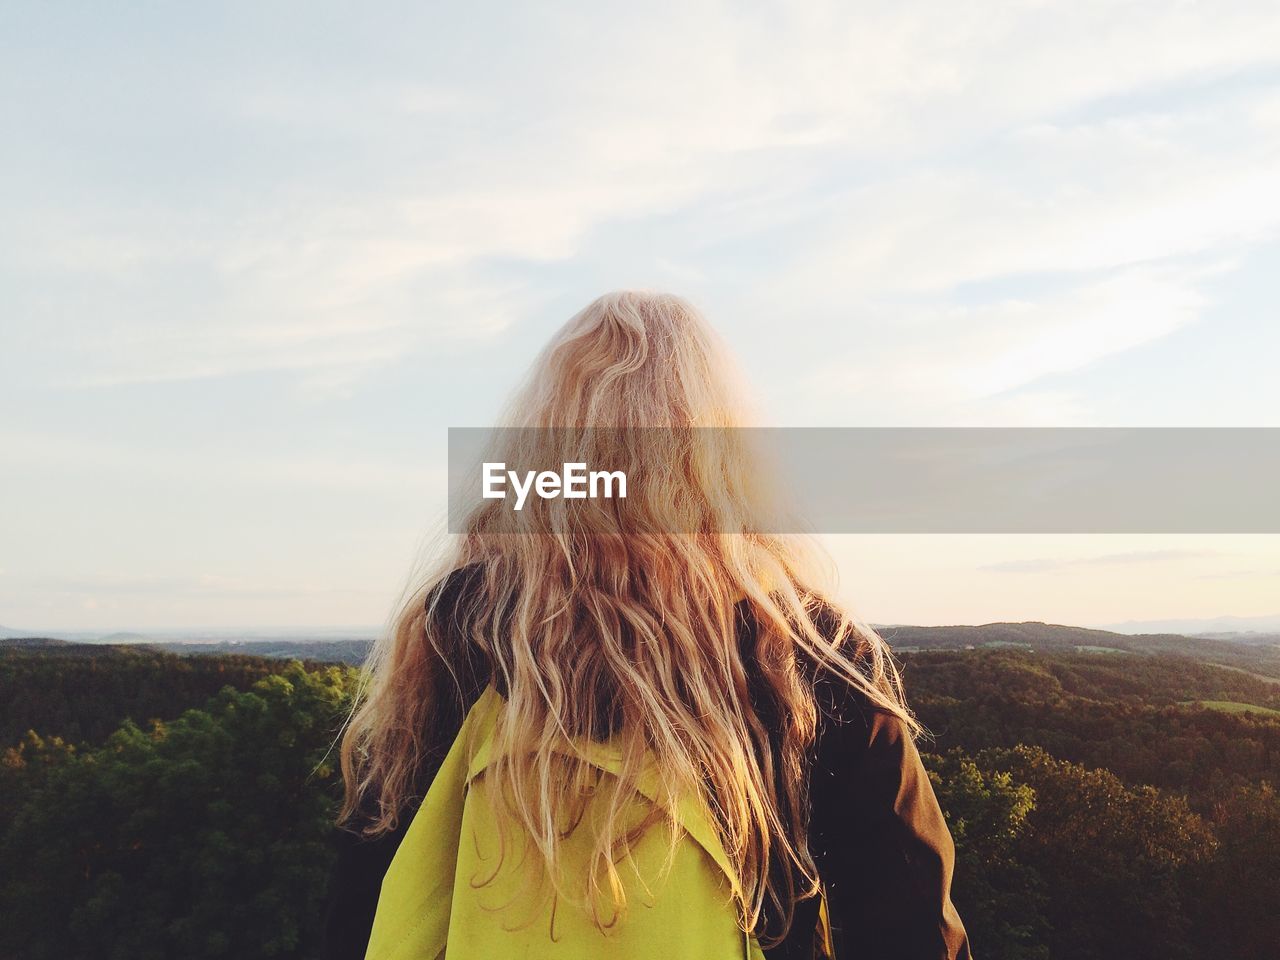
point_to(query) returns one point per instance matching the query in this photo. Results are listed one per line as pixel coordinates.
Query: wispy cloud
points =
(931, 151)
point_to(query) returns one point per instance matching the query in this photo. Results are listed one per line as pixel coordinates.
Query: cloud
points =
(937, 291)
(370, 209)
(947, 364)
(904, 213)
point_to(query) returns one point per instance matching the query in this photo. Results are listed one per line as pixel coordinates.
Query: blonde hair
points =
(623, 618)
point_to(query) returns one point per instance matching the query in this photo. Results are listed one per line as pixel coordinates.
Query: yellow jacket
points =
(434, 906)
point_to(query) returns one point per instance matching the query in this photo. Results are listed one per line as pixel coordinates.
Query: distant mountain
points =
(264, 635)
(1026, 634)
(1272, 639)
(70, 636)
(209, 635)
(1209, 626)
(325, 651)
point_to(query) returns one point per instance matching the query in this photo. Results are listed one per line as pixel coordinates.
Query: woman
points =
(666, 626)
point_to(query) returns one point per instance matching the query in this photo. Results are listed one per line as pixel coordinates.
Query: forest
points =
(1108, 798)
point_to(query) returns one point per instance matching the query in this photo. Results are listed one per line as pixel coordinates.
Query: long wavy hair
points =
(624, 617)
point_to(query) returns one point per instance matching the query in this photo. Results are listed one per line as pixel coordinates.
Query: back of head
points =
(631, 359)
(626, 617)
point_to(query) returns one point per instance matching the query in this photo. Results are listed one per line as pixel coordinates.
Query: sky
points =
(256, 258)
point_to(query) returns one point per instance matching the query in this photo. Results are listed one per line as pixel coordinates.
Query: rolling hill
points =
(1262, 659)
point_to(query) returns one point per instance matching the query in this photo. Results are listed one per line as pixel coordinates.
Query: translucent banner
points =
(865, 480)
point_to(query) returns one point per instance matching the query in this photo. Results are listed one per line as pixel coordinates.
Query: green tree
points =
(203, 837)
(999, 898)
(1113, 858)
(1237, 893)
(25, 766)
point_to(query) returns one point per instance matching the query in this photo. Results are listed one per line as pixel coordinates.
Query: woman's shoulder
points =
(847, 702)
(842, 701)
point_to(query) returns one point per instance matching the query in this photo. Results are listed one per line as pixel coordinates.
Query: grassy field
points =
(1233, 706)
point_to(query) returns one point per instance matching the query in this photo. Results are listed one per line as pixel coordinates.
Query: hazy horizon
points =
(1226, 624)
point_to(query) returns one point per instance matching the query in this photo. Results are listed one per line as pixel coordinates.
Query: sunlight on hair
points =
(597, 623)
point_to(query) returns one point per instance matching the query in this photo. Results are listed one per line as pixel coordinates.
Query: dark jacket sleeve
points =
(884, 852)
